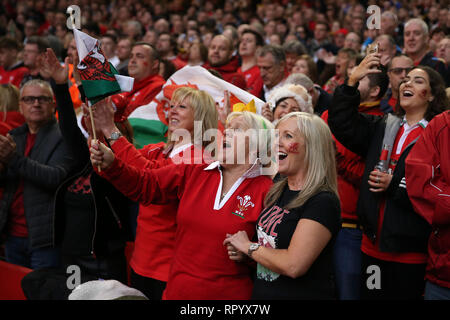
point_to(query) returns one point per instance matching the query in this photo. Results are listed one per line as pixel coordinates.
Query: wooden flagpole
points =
(91, 115)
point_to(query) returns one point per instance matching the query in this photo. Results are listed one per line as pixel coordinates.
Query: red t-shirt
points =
(17, 220)
(14, 76)
(253, 79)
(201, 268)
(405, 136)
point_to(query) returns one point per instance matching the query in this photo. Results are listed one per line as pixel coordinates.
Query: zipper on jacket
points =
(55, 201)
(95, 217)
(114, 213)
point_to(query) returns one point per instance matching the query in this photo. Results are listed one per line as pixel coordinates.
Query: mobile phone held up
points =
(372, 48)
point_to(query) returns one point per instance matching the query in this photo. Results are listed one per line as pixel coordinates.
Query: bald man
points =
(220, 59)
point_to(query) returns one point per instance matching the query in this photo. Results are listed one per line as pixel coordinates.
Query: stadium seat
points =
(10, 277)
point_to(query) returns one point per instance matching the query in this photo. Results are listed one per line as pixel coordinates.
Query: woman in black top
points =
(297, 229)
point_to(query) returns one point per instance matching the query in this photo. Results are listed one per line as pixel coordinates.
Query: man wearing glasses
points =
(397, 69)
(34, 161)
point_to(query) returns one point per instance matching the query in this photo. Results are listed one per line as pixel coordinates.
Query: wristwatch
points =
(114, 136)
(253, 247)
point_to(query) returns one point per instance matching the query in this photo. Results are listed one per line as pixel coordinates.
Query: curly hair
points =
(440, 103)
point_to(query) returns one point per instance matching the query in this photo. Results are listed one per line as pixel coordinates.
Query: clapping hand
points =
(7, 148)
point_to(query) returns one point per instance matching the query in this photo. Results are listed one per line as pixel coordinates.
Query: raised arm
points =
(123, 149)
(67, 119)
(351, 128)
(151, 186)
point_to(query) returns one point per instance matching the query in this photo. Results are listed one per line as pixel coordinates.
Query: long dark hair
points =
(440, 103)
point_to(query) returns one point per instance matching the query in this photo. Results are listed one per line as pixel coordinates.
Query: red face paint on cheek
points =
(424, 93)
(293, 147)
(145, 64)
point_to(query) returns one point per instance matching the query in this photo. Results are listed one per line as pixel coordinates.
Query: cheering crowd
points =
(348, 200)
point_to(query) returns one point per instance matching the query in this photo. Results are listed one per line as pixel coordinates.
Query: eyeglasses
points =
(398, 71)
(40, 99)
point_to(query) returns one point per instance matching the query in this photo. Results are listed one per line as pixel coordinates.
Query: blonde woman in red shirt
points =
(156, 223)
(216, 199)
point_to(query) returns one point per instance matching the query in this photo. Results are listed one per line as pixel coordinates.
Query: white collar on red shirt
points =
(254, 171)
(179, 149)
(406, 130)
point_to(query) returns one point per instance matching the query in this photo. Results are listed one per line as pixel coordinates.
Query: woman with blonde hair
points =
(297, 229)
(10, 116)
(156, 224)
(213, 200)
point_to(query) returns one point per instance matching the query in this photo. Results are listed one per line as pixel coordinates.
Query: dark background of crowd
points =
(173, 27)
(279, 21)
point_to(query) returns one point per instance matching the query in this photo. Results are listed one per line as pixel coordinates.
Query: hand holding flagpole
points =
(91, 116)
(98, 76)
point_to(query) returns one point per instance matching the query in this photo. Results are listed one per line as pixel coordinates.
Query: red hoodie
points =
(229, 73)
(427, 175)
(143, 93)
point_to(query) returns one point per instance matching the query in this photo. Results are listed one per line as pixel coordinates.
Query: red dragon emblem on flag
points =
(95, 66)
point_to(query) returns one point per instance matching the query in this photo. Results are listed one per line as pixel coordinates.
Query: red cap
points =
(341, 31)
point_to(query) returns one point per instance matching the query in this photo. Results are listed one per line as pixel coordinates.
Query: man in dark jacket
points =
(416, 38)
(35, 161)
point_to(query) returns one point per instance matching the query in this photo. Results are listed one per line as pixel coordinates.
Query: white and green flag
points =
(99, 77)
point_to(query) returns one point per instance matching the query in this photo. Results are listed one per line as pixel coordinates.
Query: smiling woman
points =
(211, 201)
(286, 99)
(296, 230)
(156, 223)
(394, 235)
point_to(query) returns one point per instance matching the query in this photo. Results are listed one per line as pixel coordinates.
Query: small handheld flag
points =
(99, 77)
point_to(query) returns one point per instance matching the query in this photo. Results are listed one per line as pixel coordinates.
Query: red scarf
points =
(229, 72)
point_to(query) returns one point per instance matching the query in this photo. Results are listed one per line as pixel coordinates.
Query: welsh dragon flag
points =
(99, 77)
(150, 121)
